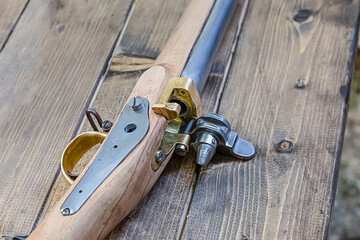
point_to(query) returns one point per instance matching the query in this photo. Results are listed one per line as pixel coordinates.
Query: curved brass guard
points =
(76, 149)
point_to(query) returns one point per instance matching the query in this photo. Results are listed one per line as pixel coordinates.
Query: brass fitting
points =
(76, 149)
(179, 99)
(179, 103)
(82, 143)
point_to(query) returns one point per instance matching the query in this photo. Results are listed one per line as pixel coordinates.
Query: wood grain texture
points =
(112, 95)
(129, 61)
(161, 215)
(130, 64)
(287, 93)
(148, 30)
(10, 12)
(150, 27)
(130, 182)
(166, 204)
(48, 71)
(290, 80)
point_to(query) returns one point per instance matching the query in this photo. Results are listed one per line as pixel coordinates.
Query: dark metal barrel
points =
(198, 66)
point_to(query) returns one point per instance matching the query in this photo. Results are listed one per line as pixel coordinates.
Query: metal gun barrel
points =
(199, 63)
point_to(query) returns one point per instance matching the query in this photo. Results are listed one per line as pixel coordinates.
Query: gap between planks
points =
(104, 73)
(107, 64)
(82, 119)
(198, 169)
(13, 26)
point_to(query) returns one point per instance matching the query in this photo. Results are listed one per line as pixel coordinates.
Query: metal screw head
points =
(65, 212)
(300, 83)
(135, 104)
(160, 156)
(106, 125)
(181, 150)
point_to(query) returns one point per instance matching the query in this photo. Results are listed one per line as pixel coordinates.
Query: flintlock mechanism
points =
(180, 102)
(153, 124)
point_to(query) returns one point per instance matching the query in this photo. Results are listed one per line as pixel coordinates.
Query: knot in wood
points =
(285, 146)
(302, 15)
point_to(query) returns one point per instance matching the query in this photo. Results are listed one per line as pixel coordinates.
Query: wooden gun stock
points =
(129, 183)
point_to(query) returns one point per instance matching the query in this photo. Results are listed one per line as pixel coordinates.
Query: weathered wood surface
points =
(168, 203)
(150, 27)
(289, 78)
(163, 212)
(131, 181)
(48, 70)
(10, 12)
(124, 70)
(287, 92)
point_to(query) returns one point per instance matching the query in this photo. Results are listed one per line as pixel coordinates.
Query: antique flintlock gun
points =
(163, 115)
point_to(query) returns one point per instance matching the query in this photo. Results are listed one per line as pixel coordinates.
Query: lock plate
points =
(126, 134)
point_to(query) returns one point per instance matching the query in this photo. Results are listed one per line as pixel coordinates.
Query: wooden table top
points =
(281, 77)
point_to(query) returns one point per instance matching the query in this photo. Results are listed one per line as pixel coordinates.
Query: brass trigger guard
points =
(76, 149)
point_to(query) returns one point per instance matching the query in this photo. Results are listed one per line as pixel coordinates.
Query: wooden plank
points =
(287, 92)
(48, 71)
(10, 12)
(128, 64)
(131, 181)
(163, 211)
(148, 32)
